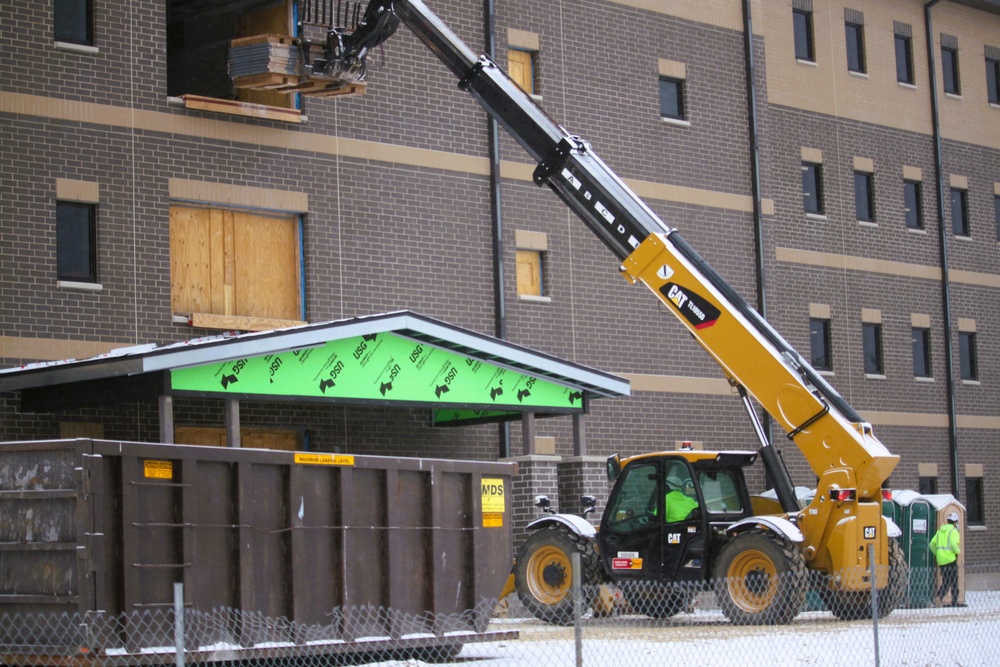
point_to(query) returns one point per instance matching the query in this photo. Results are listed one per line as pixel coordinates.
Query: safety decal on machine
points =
(158, 469)
(324, 459)
(694, 308)
(627, 560)
(494, 503)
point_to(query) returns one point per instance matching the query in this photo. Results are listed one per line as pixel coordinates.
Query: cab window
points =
(637, 498)
(720, 491)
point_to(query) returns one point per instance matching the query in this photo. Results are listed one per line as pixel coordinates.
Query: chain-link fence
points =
(635, 624)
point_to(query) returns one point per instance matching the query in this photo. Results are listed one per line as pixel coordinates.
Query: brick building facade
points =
(389, 194)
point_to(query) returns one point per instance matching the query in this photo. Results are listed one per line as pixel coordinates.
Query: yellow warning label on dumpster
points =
(324, 459)
(493, 494)
(158, 469)
(492, 519)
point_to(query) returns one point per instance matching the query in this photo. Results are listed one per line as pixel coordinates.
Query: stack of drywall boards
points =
(274, 62)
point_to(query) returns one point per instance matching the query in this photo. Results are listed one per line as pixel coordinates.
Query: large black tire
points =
(760, 579)
(855, 605)
(543, 575)
(658, 600)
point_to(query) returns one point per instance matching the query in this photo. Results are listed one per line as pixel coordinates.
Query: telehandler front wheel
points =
(760, 579)
(543, 575)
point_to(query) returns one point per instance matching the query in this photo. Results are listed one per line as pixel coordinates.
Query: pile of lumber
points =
(274, 62)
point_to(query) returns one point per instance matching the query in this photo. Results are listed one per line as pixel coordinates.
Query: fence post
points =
(577, 568)
(179, 624)
(874, 573)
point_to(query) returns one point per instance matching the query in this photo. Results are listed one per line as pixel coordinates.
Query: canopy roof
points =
(398, 358)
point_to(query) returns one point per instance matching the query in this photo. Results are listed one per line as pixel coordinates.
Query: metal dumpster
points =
(350, 546)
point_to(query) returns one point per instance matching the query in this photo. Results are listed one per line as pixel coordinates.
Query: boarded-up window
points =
(529, 273)
(288, 440)
(521, 68)
(234, 263)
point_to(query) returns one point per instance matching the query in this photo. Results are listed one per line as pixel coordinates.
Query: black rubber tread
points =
(790, 568)
(564, 539)
(855, 605)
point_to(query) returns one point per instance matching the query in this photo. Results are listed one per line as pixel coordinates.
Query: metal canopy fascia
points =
(149, 359)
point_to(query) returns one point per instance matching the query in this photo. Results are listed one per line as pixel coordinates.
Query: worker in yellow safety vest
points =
(946, 545)
(680, 500)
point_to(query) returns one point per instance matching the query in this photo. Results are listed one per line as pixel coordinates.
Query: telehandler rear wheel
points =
(854, 605)
(760, 579)
(543, 575)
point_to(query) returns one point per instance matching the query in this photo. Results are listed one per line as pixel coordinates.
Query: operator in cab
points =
(680, 500)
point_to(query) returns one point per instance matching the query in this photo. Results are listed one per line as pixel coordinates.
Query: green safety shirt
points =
(945, 544)
(679, 506)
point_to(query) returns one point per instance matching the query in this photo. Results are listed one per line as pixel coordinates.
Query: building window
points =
(912, 205)
(530, 274)
(672, 98)
(521, 66)
(812, 188)
(927, 485)
(993, 80)
(819, 344)
(996, 213)
(960, 212)
(864, 196)
(227, 264)
(974, 506)
(967, 355)
(949, 64)
(871, 334)
(921, 352)
(73, 21)
(855, 47)
(904, 59)
(803, 25)
(76, 242)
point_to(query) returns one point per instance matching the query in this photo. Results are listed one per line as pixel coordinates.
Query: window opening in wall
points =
(803, 26)
(530, 274)
(76, 242)
(993, 80)
(819, 344)
(921, 352)
(904, 59)
(927, 485)
(855, 47)
(199, 33)
(960, 212)
(871, 334)
(521, 65)
(73, 21)
(974, 507)
(996, 213)
(913, 205)
(864, 197)
(949, 68)
(812, 194)
(234, 264)
(967, 355)
(672, 98)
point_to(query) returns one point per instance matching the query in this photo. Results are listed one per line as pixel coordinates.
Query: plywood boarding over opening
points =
(234, 263)
(288, 440)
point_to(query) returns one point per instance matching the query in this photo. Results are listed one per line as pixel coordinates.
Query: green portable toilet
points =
(917, 523)
(941, 505)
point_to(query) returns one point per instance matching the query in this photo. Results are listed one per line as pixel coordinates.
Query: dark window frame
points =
(76, 249)
(975, 508)
(675, 107)
(855, 47)
(802, 28)
(812, 187)
(871, 345)
(69, 26)
(864, 196)
(921, 340)
(820, 346)
(913, 213)
(927, 485)
(950, 79)
(904, 59)
(960, 212)
(969, 366)
(996, 213)
(993, 80)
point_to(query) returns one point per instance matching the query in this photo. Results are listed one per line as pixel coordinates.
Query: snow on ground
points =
(931, 637)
